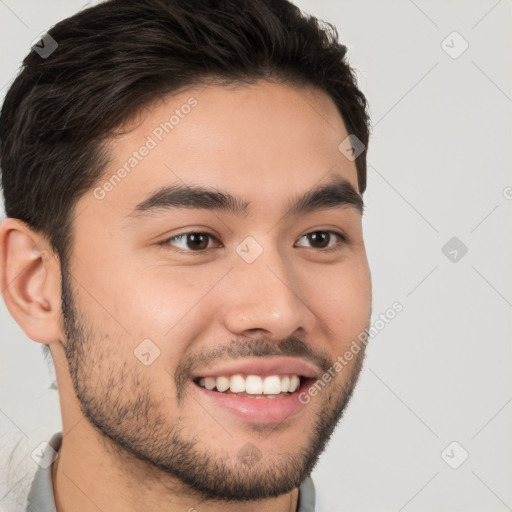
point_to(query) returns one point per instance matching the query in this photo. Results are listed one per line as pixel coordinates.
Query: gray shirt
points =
(41, 499)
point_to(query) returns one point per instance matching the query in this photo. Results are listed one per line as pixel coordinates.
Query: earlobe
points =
(30, 280)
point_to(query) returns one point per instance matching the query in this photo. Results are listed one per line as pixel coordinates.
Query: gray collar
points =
(41, 498)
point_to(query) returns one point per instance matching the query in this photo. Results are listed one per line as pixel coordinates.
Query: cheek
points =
(160, 301)
(344, 299)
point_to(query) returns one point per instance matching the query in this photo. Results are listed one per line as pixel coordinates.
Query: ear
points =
(30, 281)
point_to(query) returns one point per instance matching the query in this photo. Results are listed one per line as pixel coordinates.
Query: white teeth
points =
(222, 384)
(294, 383)
(209, 382)
(237, 384)
(270, 385)
(253, 385)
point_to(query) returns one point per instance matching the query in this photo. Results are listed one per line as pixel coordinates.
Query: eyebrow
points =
(338, 193)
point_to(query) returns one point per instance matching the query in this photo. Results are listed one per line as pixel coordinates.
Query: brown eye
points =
(322, 239)
(193, 241)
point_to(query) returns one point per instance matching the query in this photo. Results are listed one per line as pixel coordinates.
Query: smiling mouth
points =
(253, 386)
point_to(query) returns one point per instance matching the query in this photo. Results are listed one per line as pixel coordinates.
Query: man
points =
(183, 187)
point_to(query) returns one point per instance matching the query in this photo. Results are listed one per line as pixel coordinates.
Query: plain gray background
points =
(439, 167)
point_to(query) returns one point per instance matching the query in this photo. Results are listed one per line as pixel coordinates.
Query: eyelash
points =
(342, 240)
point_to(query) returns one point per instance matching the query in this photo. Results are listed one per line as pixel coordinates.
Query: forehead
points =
(264, 142)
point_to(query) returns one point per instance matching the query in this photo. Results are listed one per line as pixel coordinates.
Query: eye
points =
(190, 242)
(198, 241)
(322, 239)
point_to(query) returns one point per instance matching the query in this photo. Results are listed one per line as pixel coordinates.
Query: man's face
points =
(154, 315)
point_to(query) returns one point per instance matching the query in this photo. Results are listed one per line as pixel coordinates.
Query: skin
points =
(123, 425)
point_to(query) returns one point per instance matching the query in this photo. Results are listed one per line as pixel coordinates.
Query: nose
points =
(265, 297)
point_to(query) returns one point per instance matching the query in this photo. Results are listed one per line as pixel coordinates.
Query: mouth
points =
(252, 386)
(264, 391)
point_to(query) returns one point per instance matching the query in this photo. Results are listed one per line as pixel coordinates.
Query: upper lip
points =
(262, 366)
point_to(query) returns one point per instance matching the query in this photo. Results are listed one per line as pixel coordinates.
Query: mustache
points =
(237, 349)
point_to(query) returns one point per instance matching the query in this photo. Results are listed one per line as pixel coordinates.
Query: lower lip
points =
(257, 410)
